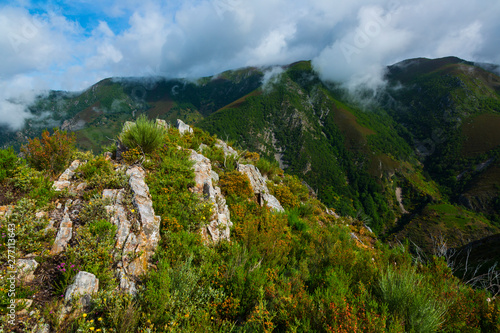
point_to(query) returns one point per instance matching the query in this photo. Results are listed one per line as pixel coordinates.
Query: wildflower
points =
(98, 330)
(84, 315)
(92, 328)
(186, 315)
(488, 300)
(92, 321)
(100, 319)
(132, 210)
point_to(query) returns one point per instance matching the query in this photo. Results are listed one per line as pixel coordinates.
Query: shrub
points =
(93, 250)
(169, 184)
(100, 173)
(407, 297)
(287, 199)
(143, 134)
(8, 163)
(270, 169)
(52, 152)
(235, 183)
(30, 234)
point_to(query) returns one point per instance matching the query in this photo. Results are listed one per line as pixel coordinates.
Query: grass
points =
(143, 134)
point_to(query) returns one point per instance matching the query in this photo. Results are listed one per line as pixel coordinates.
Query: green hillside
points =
(431, 140)
(138, 257)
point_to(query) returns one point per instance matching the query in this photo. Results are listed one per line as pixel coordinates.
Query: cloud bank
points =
(72, 45)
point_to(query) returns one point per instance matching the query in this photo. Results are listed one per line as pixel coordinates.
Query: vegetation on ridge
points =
(299, 270)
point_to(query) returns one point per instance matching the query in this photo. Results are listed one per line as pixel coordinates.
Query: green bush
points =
(143, 134)
(408, 298)
(51, 153)
(100, 173)
(93, 251)
(8, 163)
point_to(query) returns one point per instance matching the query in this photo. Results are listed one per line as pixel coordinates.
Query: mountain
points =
(425, 150)
(174, 230)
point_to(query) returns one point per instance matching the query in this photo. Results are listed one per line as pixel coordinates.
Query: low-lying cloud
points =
(349, 42)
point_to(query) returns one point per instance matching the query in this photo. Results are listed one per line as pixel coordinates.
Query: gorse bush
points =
(51, 153)
(235, 183)
(143, 134)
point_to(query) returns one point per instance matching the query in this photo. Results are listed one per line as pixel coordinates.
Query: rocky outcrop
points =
(183, 128)
(228, 150)
(84, 286)
(259, 187)
(220, 223)
(63, 235)
(64, 180)
(136, 240)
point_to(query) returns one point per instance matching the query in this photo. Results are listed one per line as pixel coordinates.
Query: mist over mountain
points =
(424, 138)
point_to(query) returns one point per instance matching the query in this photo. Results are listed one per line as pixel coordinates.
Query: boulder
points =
(228, 150)
(63, 235)
(162, 123)
(85, 285)
(26, 268)
(259, 186)
(218, 228)
(183, 128)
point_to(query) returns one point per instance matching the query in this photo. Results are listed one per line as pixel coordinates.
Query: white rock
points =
(27, 269)
(85, 285)
(183, 128)
(258, 184)
(218, 227)
(63, 235)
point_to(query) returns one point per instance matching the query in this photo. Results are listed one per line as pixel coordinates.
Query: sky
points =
(70, 45)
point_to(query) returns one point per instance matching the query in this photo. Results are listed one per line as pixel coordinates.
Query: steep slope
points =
(434, 139)
(451, 108)
(92, 255)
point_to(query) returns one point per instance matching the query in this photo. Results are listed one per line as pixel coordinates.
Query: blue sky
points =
(70, 45)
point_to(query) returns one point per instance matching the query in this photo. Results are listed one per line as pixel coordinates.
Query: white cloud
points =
(348, 41)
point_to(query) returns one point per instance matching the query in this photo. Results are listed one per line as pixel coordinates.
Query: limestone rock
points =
(150, 224)
(85, 285)
(162, 123)
(64, 180)
(24, 302)
(215, 176)
(27, 269)
(63, 235)
(228, 150)
(183, 128)
(134, 248)
(259, 187)
(220, 223)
